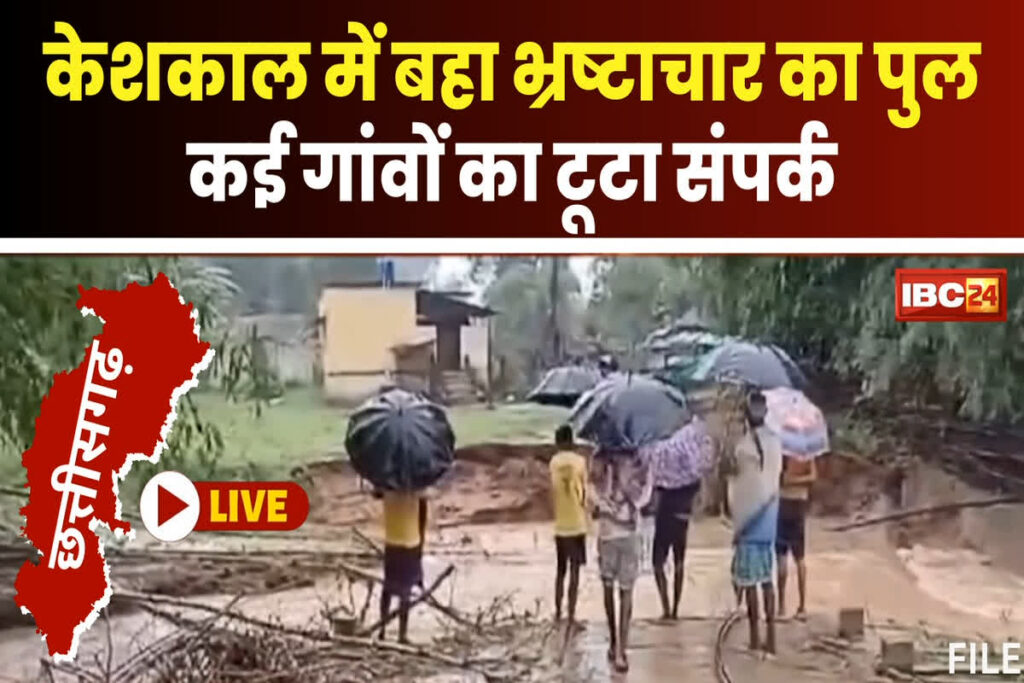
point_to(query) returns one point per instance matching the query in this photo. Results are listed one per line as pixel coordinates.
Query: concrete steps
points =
(457, 388)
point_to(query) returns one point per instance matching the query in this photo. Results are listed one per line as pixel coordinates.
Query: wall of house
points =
(412, 368)
(293, 362)
(360, 325)
(474, 345)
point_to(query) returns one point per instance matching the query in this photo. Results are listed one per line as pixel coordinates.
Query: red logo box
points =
(957, 294)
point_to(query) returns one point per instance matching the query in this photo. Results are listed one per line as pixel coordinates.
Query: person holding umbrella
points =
(678, 464)
(623, 485)
(621, 415)
(402, 444)
(804, 432)
(405, 526)
(797, 478)
(756, 466)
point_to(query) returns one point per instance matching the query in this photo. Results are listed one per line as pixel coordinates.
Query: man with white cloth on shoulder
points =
(755, 468)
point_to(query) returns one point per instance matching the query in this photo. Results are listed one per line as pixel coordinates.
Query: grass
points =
(301, 427)
(295, 429)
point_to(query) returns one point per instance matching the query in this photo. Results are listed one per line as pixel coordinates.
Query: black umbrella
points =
(761, 365)
(400, 441)
(563, 386)
(625, 412)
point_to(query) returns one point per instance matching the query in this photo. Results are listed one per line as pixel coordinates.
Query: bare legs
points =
(625, 616)
(801, 582)
(678, 575)
(403, 615)
(609, 613)
(573, 570)
(574, 590)
(783, 569)
(560, 571)
(662, 583)
(618, 638)
(677, 587)
(769, 611)
(750, 594)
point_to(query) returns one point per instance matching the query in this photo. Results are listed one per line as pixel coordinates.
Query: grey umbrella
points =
(762, 365)
(625, 412)
(564, 385)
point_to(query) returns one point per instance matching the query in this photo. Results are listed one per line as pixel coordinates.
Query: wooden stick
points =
(419, 598)
(368, 541)
(354, 641)
(947, 507)
(449, 612)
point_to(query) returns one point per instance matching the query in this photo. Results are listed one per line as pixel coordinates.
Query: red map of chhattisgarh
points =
(114, 408)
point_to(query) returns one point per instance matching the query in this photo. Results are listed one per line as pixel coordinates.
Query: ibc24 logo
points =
(943, 295)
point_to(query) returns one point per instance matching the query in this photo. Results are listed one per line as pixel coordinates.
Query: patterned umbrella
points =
(627, 411)
(798, 422)
(683, 458)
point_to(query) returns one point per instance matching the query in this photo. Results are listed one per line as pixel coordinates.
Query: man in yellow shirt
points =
(405, 523)
(569, 500)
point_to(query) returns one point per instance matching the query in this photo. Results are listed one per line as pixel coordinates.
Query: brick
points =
(898, 655)
(851, 623)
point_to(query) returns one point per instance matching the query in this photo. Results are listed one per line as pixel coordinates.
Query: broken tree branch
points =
(419, 598)
(932, 509)
(354, 641)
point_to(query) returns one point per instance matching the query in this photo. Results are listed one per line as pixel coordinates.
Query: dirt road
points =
(953, 592)
(491, 521)
(948, 592)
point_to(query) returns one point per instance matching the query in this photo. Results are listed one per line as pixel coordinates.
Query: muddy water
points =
(933, 587)
(952, 591)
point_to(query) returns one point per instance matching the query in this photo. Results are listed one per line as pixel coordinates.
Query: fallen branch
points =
(916, 512)
(449, 612)
(419, 598)
(353, 641)
(370, 543)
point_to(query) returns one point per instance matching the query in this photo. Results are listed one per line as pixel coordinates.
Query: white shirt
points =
(754, 485)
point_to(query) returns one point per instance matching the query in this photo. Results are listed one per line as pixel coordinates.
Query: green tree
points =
(634, 295)
(537, 311)
(839, 313)
(45, 333)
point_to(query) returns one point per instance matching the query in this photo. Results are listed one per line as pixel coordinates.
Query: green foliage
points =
(634, 295)
(854, 436)
(44, 333)
(834, 312)
(520, 290)
(291, 284)
(839, 313)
